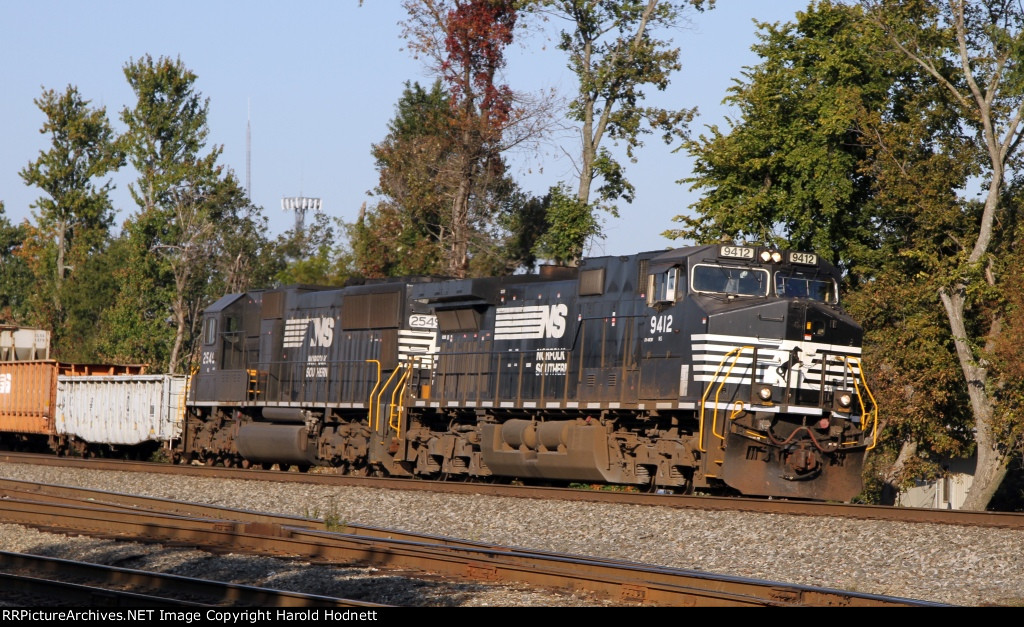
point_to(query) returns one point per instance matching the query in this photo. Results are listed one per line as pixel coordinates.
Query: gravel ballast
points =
(941, 563)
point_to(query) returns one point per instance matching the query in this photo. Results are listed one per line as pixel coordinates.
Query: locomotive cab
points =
(777, 362)
(228, 340)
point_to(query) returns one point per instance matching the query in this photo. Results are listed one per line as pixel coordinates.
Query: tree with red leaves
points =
(478, 32)
(464, 42)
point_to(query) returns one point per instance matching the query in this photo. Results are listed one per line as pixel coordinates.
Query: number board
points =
(737, 252)
(809, 259)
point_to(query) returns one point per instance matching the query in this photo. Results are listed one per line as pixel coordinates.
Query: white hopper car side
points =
(121, 410)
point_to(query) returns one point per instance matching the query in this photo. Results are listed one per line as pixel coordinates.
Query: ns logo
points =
(295, 331)
(530, 322)
(323, 332)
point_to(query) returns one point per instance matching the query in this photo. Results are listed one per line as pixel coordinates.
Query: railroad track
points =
(1006, 520)
(64, 509)
(74, 583)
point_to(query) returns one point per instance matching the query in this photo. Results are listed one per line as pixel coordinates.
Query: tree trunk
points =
(180, 309)
(891, 478)
(991, 464)
(989, 473)
(62, 229)
(458, 256)
(179, 339)
(588, 155)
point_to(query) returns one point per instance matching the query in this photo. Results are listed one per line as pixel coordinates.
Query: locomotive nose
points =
(812, 322)
(807, 322)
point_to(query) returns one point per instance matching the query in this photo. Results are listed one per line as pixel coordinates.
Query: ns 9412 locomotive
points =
(720, 368)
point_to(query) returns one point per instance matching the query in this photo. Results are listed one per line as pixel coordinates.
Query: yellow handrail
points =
(737, 409)
(703, 401)
(373, 392)
(399, 394)
(867, 415)
(383, 389)
(864, 413)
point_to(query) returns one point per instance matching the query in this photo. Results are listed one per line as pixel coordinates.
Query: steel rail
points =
(623, 581)
(1005, 520)
(147, 589)
(17, 587)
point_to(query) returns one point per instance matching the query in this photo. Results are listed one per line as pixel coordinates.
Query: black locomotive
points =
(720, 368)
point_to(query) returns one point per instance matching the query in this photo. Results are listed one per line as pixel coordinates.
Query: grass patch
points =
(331, 516)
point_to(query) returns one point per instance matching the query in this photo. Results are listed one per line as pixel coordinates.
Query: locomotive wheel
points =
(266, 466)
(688, 486)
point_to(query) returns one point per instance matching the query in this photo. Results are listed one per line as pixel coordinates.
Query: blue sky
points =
(317, 81)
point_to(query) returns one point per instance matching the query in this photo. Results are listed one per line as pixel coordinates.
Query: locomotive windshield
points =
(792, 284)
(730, 280)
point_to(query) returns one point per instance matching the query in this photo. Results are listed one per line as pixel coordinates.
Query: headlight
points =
(845, 399)
(765, 393)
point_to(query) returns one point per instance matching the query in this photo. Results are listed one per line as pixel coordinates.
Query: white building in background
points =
(948, 492)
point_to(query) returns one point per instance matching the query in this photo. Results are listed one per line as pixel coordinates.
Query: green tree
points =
(95, 280)
(523, 220)
(569, 224)
(186, 204)
(246, 257)
(404, 232)
(73, 219)
(791, 171)
(848, 144)
(972, 49)
(612, 49)
(311, 255)
(15, 276)
(407, 230)
(919, 160)
(1003, 353)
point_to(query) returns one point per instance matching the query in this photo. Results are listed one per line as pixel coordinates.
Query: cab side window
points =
(663, 287)
(233, 349)
(210, 331)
